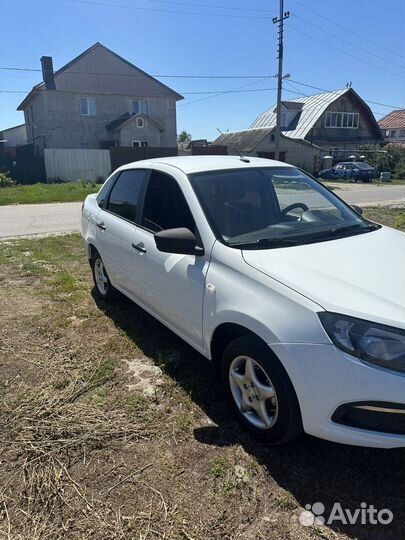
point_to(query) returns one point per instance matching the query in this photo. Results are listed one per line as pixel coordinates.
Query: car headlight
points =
(371, 342)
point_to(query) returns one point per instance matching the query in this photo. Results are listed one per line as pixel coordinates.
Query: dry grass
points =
(112, 428)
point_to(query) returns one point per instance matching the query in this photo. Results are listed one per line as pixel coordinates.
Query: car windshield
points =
(259, 208)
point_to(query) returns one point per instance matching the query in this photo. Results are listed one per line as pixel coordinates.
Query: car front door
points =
(116, 225)
(170, 285)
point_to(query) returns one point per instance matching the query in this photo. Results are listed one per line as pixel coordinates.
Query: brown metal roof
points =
(98, 70)
(395, 119)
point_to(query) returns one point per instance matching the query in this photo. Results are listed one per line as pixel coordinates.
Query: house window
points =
(387, 132)
(140, 144)
(88, 106)
(341, 120)
(140, 106)
(283, 120)
(393, 132)
(402, 132)
(140, 122)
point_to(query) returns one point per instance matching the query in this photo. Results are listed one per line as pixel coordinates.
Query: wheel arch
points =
(224, 334)
(91, 250)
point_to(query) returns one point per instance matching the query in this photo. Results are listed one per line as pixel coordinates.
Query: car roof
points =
(193, 164)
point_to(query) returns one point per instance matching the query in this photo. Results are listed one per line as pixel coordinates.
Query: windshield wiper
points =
(347, 230)
(266, 242)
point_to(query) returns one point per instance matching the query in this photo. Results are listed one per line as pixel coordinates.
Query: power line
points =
(348, 42)
(345, 52)
(329, 91)
(213, 93)
(350, 30)
(215, 6)
(287, 81)
(7, 68)
(234, 90)
(199, 14)
(185, 93)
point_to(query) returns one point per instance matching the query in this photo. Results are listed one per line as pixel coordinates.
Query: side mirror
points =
(181, 241)
(357, 209)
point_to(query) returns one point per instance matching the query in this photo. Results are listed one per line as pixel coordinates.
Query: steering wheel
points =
(288, 209)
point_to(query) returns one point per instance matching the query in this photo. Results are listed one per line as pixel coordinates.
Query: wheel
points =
(261, 394)
(101, 280)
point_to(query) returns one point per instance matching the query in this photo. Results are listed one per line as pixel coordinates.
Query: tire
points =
(103, 289)
(280, 421)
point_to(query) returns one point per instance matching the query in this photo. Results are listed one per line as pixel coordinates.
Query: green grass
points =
(392, 217)
(47, 193)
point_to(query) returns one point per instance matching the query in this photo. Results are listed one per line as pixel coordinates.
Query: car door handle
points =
(101, 225)
(139, 247)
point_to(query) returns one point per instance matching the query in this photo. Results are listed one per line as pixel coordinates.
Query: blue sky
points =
(327, 44)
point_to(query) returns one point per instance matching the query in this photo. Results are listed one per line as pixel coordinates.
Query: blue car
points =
(353, 170)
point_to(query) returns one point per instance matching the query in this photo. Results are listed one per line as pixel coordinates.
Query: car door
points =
(116, 224)
(170, 285)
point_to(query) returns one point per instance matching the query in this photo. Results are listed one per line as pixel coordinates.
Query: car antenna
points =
(241, 157)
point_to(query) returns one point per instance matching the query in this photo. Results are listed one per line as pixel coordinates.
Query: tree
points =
(391, 159)
(184, 137)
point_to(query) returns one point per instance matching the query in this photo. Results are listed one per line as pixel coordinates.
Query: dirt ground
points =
(113, 428)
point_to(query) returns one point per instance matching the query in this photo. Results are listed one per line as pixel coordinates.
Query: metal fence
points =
(76, 164)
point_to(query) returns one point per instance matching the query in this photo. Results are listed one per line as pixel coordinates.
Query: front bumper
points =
(326, 379)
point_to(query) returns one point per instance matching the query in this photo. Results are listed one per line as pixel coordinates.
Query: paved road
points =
(30, 219)
(27, 219)
(372, 195)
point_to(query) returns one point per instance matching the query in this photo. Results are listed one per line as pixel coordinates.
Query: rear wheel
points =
(101, 280)
(262, 396)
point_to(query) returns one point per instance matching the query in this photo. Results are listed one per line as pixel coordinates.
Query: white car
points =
(297, 299)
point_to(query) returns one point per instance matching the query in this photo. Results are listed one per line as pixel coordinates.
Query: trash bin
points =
(385, 176)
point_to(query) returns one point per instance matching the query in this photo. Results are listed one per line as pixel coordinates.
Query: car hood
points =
(362, 275)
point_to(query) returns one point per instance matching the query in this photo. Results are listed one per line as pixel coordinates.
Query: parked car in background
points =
(253, 263)
(351, 170)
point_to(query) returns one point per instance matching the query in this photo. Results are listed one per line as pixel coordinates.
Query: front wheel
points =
(101, 280)
(262, 396)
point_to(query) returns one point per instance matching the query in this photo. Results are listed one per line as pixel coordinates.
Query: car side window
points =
(102, 195)
(165, 206)
(124, 196)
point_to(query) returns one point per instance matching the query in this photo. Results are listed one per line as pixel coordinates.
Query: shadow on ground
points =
(310, 469)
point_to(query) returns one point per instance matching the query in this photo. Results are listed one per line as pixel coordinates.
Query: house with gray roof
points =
(337, 121)
(259, 142)
(99, 100)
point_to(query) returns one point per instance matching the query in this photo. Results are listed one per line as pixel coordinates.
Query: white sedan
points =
(296, 298)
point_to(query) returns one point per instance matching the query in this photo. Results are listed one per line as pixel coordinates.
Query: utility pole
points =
(280, 21)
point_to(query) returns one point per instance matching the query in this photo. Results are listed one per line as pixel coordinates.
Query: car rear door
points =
(169, 285)
(116, 225)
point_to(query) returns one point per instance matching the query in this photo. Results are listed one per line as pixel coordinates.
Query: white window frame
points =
(337, 120)
(136, 143)
(91, 108)
(140, 122)
(143, 106)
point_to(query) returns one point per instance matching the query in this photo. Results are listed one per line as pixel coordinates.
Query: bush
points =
(6, 180)
(400, 171)
(391, 159)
